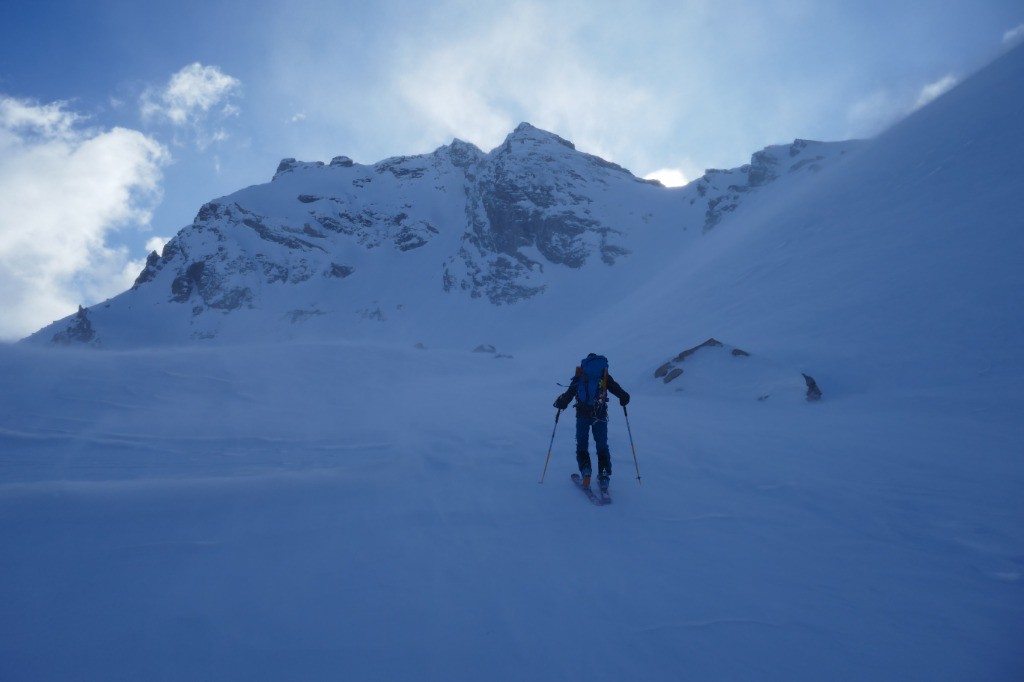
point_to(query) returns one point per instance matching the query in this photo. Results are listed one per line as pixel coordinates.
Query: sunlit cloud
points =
(1013, 35)
(64, 188)
(520, 65)
(197, 98)
(190, 94)
(670, 177)
(156, 244)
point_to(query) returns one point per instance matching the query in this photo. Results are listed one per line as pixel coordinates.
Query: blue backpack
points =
(591, 379)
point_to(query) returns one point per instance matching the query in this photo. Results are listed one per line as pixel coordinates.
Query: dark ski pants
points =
(584, 426)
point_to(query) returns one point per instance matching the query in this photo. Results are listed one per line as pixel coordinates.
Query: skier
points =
(590, 387)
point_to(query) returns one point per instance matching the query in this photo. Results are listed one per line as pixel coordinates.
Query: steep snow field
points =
(371, 511)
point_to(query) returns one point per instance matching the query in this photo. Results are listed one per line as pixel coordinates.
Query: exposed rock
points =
(374, 313)
(813, 392)
(371, 228)
(463, 154)
(302, 315)
(710, 343)
(410, 167)
(340, 271)
(208, 212)
(184, 284)
(149, 272)
(232, 299)
(485, 348)
(79, 330)
(257, 224)
(672, 374)
(285, 166)
(762, 170)
(288, 165)
(341, 162)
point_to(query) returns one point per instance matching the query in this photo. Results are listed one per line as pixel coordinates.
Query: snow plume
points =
(934, 90)
(522, 66)
(882, 108)
(1014, 35)
(63, 187)
(197, 98)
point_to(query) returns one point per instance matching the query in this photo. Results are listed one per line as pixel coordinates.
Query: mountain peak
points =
(526, 132)
(461, 153)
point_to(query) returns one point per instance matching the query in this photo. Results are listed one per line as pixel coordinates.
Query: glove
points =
(624, 400)
(562, 402)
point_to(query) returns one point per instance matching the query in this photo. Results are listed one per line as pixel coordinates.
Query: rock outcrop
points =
(713, 368)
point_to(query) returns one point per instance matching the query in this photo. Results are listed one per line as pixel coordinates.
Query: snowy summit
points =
(324, 247)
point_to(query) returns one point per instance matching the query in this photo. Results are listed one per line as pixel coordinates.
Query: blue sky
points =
(118, 120)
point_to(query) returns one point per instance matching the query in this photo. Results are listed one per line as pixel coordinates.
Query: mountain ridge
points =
(505, 225)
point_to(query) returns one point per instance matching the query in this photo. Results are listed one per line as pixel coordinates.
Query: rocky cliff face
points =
(494, 226)
(722, 191)
(532, 202)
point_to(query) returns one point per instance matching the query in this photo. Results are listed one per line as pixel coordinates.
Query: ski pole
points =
(630, 431)
(549, 448)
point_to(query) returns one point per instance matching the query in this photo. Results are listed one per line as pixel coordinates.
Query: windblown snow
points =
(307, 443)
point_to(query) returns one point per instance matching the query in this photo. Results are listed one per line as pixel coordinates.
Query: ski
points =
(600, 499)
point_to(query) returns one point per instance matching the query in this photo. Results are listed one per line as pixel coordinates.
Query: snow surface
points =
(346, 508)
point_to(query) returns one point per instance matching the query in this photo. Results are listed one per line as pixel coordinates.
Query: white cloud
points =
(156, 244)
(195, 98)
(1013, 35)
(47, 120)
(670, 177)
(934, 90)
(522, 66)
(63, 188)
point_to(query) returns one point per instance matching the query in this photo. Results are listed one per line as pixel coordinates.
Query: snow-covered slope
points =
(345, 509)
(902, 270)
(390, 249)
